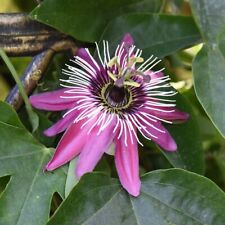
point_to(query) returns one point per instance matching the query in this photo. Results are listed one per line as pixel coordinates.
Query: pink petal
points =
(126, 160)
(127, 42)
(93, 150)
(52, 100)
(61, 125)
(127, 39)
(69, 146)
(167, 113)
(160, 135)
(154, 75)
(82, 52)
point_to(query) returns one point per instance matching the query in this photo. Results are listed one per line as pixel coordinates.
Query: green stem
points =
(31, 114)
(161, 10)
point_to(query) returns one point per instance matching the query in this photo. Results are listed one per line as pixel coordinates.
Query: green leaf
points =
(155, 34)
(8, 115)
(209, 64)
(209, 80)
(210, 17)
(72, 180)
(215, 168)
(44, 123)
(167, 197)
(27, 197)
(189, 154)
(85, 20)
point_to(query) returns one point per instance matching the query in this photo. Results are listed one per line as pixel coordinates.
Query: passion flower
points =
(107, 101)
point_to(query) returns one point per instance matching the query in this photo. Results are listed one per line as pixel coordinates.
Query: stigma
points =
(126, 74)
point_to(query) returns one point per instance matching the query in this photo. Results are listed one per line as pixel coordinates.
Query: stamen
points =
(132, 83)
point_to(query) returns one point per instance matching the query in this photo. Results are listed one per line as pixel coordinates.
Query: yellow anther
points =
(131, 83)
(133, 60)
(139, 59)
(112, 62)
(127, 74)
(112, 76)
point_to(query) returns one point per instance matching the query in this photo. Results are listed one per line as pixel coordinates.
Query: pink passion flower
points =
(108, 101)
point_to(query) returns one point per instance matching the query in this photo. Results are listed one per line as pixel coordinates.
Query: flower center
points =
(116, 97)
